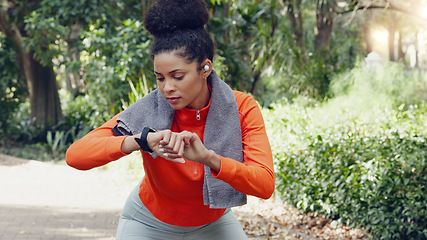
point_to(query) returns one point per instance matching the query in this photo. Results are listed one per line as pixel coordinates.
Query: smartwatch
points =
(142, 142)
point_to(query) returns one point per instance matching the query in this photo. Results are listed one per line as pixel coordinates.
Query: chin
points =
(176, 107)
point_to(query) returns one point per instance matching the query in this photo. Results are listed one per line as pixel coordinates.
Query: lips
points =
(172, 100)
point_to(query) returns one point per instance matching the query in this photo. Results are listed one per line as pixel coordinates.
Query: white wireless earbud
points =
(206, 67)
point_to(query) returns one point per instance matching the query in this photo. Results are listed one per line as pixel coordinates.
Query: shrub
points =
(364, 171)
(11, 88)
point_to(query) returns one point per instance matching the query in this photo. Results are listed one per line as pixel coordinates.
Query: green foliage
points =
(294, 70)
(79, 116)
(114, 58)
(362, 166)
(45, 34)
(56, 143)
(243, 31)
(11, 88)
(380, 85)
(49, 27)
(29, 141)
(115, 53)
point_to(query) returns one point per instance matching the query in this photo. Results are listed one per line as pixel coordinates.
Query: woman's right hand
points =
(173, 141)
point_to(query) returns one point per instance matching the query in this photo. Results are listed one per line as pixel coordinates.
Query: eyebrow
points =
(176, 70)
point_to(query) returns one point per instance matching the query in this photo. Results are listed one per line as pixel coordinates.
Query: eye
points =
(178, 77)
(160, 77)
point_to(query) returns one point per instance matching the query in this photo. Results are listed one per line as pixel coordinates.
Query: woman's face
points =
(180, 83)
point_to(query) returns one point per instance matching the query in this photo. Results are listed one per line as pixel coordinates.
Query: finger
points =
(187, 141)
(181, 148)
(179, 142)
(173, 158)
(171, 142)
(166, 137)
(186, 135)
(165, 149)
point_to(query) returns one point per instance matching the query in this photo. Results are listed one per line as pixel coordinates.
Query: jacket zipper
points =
(194, 128)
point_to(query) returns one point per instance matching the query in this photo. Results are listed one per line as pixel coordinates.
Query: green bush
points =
(386, 84)
(114, 60)
(363, 170)
(12, 88)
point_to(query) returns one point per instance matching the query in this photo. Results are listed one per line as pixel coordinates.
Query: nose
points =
(168, 85)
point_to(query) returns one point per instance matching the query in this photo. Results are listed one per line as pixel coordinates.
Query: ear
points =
(206, 72)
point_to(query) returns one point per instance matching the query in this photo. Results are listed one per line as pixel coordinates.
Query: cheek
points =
(160, 86)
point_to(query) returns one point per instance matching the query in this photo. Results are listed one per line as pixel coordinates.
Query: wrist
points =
(129, 144)
(213, 161)
(142, 141)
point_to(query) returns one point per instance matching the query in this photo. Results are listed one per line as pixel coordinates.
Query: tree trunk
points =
(45, 103)
(295, 18)
(400, 53)
(416, 49)
(391, 38)
(368, 38)
(325, 13)
(256, 77)
(72, 78)
(391, 48)
(43, 89)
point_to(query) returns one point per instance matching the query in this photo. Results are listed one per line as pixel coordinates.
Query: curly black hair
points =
(178, 25)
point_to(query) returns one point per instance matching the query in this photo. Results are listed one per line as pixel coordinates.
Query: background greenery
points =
(360, 158)
(348, 133)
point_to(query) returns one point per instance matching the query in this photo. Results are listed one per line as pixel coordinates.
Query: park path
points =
(49, 201)
(43, 201)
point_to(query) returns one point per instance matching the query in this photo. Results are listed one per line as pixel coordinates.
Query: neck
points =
(205, 96)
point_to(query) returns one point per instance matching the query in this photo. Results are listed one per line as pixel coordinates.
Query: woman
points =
(204, 146)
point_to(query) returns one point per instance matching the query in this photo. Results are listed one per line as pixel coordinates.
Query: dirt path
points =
(49, 201)
(52, 201)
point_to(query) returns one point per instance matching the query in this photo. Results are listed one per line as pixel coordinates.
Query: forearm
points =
(90, 153)
(213, 161)
(97, 148)
(129, 144)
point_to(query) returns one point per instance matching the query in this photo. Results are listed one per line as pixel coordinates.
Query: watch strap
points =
(142, 142)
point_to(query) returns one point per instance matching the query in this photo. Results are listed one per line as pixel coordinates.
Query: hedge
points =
(366, 170)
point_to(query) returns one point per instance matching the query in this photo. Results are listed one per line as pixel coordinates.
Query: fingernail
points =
(165, 155)
(160, 146)
(182, 160)
(161, 150)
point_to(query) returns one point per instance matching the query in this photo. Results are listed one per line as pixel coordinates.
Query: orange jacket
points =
(173, 191)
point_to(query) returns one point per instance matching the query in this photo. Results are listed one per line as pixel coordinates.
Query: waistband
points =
(135, 210)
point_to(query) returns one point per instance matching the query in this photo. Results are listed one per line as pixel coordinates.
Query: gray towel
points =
(222, 134)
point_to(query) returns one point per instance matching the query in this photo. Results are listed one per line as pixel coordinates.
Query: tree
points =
(11, 89)
(40, 78)
(48, 31)
(325, 14)
(393, 15)
(295, 17)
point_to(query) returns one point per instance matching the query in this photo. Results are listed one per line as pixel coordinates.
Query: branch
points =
(10, 29)
(3, 22)
(387, 6)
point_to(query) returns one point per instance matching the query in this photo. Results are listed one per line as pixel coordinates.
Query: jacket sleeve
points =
(96, 148)
(255, 176)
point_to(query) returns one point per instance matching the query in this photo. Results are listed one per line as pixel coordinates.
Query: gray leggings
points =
(137, 223)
